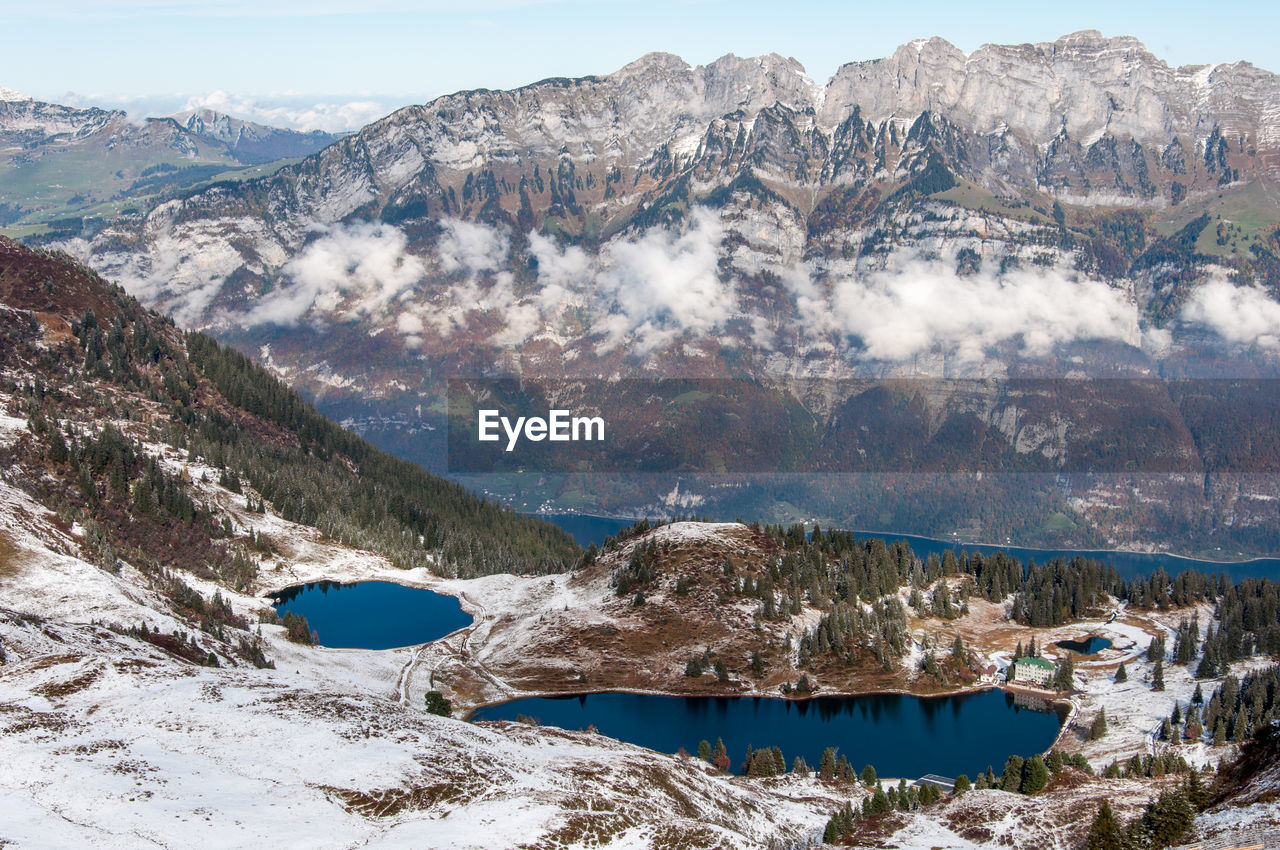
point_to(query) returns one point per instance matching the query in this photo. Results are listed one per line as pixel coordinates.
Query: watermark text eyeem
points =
(558, 426)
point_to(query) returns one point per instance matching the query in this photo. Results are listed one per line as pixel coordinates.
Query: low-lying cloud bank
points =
(924, 306)
(645, 292)
(357, 270)
(295, 111)
(642, 292)
(1242, 315)
(288, 110)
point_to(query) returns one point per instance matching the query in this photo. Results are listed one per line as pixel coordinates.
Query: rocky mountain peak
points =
(208, 122)
(7, 94)
(655, 62)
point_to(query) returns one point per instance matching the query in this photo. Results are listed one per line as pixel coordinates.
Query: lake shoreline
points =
(901, 738)
(962, 543)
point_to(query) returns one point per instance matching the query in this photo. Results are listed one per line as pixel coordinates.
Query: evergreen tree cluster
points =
(639, 571)
(1241, 707)
(1248, 615)
(903, 798)
(1164, 822)
(388, 505)
(769, 762)
(1029, 775)
(849, 627)
(1148, 766)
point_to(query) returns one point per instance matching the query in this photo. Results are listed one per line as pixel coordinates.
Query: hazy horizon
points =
(335, 65)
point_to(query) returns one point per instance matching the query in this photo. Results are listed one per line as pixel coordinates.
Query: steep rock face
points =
(27, 124)
(1086, 120)
(1082, 83)
(248, 142)
(1029, 209)
(1102, 104)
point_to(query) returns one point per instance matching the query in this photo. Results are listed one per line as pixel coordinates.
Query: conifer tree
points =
(1099, 727)
(438, 704)
(1157, 676)
(1104, 833)
(827, 765)
(1012, 776)
(1063, 678)
(1035, 775)
(1168, 819)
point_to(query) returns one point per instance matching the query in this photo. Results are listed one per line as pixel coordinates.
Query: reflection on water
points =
(901, 735)
(372, 614)
(1085, 647)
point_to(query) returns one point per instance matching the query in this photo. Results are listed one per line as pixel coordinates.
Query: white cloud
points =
(286, 110)
(358, 270)
(666, 283)
(644, 291)
(470, 247)
(924, 306)
(1243, 315)
(292, 111)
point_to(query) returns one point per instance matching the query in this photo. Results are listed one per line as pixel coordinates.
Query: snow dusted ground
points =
(1057, 819)
(111, 742)
(1134, 710)
(108, 741)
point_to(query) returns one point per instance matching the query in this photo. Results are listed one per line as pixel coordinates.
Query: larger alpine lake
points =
(901, 736)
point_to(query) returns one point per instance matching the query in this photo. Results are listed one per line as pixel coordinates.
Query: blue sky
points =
(332, 61)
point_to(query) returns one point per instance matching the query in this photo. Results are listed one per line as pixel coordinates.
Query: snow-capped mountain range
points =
(931, 207)
(1074, 208)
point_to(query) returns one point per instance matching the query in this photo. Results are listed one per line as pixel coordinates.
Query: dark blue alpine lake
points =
(1088, 646)
(900, 735)
(372, 614)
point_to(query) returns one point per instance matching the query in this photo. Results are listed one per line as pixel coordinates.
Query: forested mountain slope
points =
(101, 378)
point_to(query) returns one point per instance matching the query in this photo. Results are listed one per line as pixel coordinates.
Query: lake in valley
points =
(372, 614)
(900, 735)
(1088, 646)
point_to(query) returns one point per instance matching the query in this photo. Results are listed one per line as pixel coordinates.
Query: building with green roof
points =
(1036, 671)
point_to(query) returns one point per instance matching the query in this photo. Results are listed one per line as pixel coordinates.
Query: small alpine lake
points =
(1088, 646)
(901, 735)
(372, 614)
